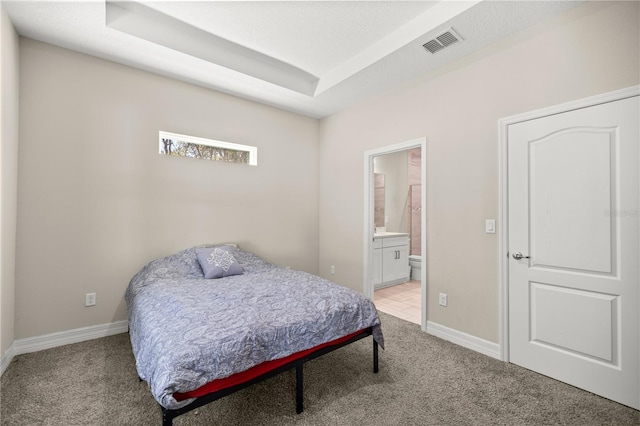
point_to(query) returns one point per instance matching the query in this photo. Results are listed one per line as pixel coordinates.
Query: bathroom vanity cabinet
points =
(390, 259)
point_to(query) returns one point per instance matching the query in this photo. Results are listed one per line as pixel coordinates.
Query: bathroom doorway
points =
(395, 237)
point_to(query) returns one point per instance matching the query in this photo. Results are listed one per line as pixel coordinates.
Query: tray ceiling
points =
(314, 58)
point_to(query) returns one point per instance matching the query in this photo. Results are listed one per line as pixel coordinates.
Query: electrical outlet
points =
(90, 299)
(443, 299)
(333, 270)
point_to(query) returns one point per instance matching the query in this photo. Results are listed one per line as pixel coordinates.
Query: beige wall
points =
(96, 201)
(8, 176)
(591, 49)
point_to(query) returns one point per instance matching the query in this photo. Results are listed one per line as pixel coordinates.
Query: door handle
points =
(517, 256)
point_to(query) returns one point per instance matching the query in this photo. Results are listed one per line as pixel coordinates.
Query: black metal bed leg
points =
(167, 418)
(299, 388)
(375, 356)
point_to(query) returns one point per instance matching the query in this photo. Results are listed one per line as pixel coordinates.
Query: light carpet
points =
(423, 380)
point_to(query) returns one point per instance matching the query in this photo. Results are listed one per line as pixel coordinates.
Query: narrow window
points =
(206, 149)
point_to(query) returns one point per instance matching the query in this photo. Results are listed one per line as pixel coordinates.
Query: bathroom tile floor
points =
(402, 301)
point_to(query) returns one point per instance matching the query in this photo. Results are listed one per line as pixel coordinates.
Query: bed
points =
(208, 321)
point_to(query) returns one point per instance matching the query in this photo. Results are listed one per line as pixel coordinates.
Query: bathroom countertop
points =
(390, 234)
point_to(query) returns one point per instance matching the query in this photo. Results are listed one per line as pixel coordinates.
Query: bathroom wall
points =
(414, 211)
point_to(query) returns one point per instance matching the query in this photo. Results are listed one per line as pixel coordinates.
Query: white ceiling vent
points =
(442, 40)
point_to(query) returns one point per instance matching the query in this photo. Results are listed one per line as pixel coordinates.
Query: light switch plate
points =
(490, 226)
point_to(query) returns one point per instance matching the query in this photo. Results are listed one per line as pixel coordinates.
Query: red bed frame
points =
(222, 387)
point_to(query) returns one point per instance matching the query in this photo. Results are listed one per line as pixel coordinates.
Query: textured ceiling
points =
(314, 58)
(314, 36)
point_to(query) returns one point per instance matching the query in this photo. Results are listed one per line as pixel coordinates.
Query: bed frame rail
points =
(168, 415)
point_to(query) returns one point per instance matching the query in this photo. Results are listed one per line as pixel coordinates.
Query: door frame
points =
(503, 183)
(368, 222)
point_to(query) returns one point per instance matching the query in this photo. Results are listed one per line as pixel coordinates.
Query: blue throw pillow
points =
(216, 262)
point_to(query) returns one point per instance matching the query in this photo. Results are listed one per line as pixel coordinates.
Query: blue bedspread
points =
(187, 330)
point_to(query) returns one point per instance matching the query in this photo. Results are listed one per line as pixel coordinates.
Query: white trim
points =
(503, 243)
(61, 338)
(503, 213)
(7, 358)
(367, 287)
(602, 98)
(463, 339)
(423, 243)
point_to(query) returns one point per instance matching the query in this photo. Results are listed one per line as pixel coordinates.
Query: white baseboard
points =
(39, 343)
(7, 357)
(463, 339)
(48, 341)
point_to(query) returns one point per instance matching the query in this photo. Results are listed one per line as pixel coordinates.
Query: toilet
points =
(415, 262)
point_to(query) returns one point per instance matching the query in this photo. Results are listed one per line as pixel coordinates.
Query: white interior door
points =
(573, 216)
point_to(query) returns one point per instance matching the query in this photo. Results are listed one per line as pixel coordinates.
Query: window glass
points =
(207, 149)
